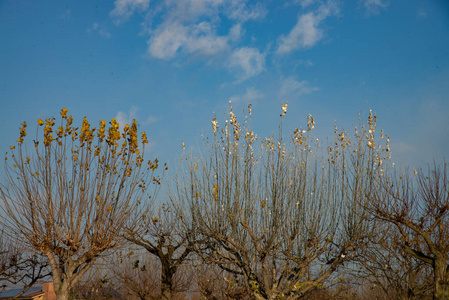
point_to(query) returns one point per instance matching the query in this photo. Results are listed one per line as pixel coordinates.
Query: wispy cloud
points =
(65, 15)
(124, 118)
(194, 27)
(248, 62)
(306, 33)
(127, 118)
(374, 6)
(124, 9)
(200, 38)
(303, 3)
(190, 26)
(150, 120)
(100, 29)
(250, 96)
(239, 10)
(191, 10)
(291, 88)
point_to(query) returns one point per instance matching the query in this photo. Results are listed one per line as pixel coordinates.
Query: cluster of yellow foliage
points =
(88, 139)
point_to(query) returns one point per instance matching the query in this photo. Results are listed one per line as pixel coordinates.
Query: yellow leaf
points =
(64, 112)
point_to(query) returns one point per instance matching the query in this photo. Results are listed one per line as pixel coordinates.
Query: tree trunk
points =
(442, 291)
(165, 293)
(61, 289)
(441, 280)
(63, 295)
(166, 280)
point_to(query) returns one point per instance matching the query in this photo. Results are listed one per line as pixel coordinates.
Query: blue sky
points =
(172, 64)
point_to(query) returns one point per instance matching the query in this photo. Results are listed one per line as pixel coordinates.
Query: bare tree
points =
(18, 266)
(70, 198)
(386, 265)
(97, 284)
(159, 234)
(137, 274)
(284, 217)
(418, 206)
(215, 283)
(10, 257)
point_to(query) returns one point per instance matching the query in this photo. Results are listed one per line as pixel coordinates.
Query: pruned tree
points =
(418, 206)
(18, 266)
(95, 286)
(385, 264)
(10, 257)
(137, 274)
(71, 196)
(284, 217)
(214, 283)
(160, 235)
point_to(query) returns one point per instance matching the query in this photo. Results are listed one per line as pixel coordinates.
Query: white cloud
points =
(200, 38)
(291, 88)
(100, 29)
(166, 42)
(190, 10)
(248, 60)
(203, 40)
(150, 120)
(235, 32)
(195, 27)
(124, 9)
(250, 96)
(126, 118)
(374, 6)
(304, 3)
(306, 33)
(240, 11)
(190, 26)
